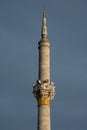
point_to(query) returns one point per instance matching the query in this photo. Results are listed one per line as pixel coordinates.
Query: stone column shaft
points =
(43, 117)
(44, 61)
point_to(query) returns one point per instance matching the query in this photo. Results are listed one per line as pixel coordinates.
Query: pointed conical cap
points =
(44, 27)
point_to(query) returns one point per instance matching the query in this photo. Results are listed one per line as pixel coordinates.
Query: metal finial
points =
(44, 27)
(44, 13)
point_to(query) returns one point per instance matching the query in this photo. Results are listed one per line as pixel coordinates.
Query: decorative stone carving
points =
(44, 92)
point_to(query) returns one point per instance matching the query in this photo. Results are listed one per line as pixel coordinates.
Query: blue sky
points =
(20, 31)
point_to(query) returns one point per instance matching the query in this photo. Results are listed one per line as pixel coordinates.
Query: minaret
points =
(44, 90)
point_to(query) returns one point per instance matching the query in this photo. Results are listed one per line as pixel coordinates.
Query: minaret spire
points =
(44, 89)
(44, 27)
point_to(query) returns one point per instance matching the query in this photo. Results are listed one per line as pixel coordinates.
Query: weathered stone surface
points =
(43, 89)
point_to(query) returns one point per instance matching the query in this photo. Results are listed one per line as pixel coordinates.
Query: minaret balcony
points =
(43, 91)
